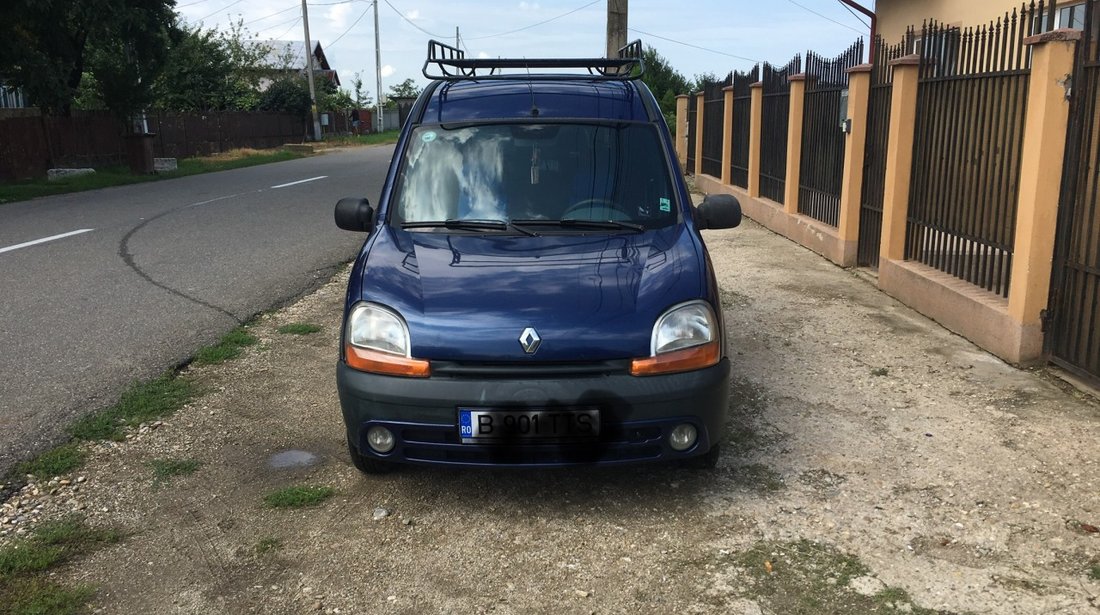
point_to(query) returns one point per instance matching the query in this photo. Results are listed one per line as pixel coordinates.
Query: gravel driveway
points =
(876, 464)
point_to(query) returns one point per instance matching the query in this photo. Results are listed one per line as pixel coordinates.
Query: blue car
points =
(533, 289)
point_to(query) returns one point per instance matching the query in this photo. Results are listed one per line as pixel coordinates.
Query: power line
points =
(671, 40)
(272, 15)
(180, 6)
(802, 6)
(281, 24)
(297, 20)
(411, 23)
(354, 23)
(224, 8)
(854, 14)
(545, 21)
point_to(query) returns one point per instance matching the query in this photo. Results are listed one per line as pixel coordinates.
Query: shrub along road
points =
(876, 464)
(134, 279)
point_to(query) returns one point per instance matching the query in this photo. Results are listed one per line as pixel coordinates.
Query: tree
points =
(664, 81)
(405, 89)
(286, 95)
(362, 97)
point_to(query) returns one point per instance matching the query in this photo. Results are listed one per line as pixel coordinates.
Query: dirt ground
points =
(876, 463)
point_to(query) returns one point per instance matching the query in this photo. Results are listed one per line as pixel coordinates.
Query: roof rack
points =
(451, 65)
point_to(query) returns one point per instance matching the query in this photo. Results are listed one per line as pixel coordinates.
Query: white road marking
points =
(300, 181)
(45, 239)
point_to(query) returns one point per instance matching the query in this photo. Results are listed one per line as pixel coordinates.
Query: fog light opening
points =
(683, 437)
(380, 439)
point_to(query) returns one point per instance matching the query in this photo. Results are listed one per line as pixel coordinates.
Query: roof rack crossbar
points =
(450, 64)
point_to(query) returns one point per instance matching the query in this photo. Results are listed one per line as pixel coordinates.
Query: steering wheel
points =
(597, 209)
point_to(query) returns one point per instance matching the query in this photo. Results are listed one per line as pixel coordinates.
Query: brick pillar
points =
(794, 143)
(899, 156)
(699, 115)
(1044, 142)
(682, 129)
(727, 132)
(851, 187)
(756, 128)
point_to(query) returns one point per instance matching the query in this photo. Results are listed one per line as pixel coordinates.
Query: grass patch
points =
(267, 545)
(298, 497)
(107, 177)
(374, 138)
(54, 462)
(1094, 573)
(809, 578)
(299, 328)
(229, 347)
(164, 469)
(880, 371)
(759, 476)
(24, 591)
(143, 401)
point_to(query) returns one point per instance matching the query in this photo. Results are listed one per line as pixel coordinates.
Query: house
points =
(289, 57)
(11, 98)
(894, 16)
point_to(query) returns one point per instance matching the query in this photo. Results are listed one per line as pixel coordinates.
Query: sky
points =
(720, 35)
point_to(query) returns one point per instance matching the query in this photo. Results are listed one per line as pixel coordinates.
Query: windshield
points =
(536, 173)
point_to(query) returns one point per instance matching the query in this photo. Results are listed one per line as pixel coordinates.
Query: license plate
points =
(483, 426)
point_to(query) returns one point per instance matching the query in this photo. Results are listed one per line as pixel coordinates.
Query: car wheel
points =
(368, 465)
(707, 461)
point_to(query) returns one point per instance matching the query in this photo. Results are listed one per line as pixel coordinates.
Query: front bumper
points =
(636, 415)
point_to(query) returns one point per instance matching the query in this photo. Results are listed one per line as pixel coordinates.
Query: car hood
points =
(590, 297)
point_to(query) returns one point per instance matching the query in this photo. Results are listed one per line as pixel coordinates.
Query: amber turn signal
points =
(366, 360)
(686, 360)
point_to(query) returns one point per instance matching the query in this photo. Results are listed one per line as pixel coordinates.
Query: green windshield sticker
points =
(666, 205)
(428, 137)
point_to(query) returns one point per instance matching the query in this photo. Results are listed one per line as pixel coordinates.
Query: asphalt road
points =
(165, 268)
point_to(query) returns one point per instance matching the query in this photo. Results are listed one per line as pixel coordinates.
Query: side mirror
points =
(718, 211)
(354, 215)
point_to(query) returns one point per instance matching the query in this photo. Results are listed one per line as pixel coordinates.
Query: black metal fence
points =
(874, 157)
(742, 116)
(714, 104)
(821, 169)
(966, 162)
(773, 142)
(1074, 309)
(691, 136)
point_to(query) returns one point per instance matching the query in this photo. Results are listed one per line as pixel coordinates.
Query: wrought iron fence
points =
(742, 114)
(1074, 308)
(773, 141)
(874, 157)
(691, 136)
(714, 104)
(821, 167)
(968, 143)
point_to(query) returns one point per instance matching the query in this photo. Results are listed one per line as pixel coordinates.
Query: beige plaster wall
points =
(894, 16)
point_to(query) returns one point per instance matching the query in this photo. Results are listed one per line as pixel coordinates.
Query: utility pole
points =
(457, 42)
(309, 75)
(377, 66)
(874, 25)
(616, 27)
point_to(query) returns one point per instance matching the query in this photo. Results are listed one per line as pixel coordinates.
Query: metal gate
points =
(773, 142)
(692, 113)
(739, 147)
(874, 158)
(1073, 313)
(714, 105)
(822, 166)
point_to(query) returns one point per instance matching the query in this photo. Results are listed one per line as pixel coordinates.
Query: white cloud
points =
(387, 70)
(482, 55)
(338, 15)
(413, 15)
(529, 6)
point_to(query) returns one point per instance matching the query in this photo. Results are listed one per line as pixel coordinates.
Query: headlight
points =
(377, 341)
(685, 338)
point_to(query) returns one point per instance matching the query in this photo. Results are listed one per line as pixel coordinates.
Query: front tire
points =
(706, 461)
(368, 465)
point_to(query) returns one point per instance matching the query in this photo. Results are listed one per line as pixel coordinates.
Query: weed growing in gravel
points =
(298, 497)
(163, 469)
(809, 578)
(1094, 573)
(299, 328)
(880, 371)
(267, 545)
(758, 476)
(143, 401)
(23, 588)
(54, 462)
(228, 348)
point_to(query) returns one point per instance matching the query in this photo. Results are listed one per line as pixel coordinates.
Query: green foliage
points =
(299, 328)
(298, 497)
(267, 545)
(54, 462)
(665, 82)
(229, 347)
(286, 95)
(34, 595)
(360, 96)
(143, 401)
(211, 70)
(163, 469)
(405, 89)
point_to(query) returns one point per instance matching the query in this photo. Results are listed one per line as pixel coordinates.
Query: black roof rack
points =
(451, 64)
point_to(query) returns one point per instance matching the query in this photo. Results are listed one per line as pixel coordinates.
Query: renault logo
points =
(530, 340)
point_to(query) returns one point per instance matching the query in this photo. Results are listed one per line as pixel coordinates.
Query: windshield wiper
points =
(471, 224)
(575, 222)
